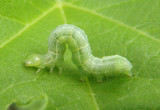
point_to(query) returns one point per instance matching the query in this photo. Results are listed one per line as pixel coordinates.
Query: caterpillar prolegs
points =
(77, 42)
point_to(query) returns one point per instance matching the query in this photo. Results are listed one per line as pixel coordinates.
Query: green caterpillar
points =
(77, 42)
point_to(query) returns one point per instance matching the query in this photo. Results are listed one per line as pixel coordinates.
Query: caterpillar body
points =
(77, 42)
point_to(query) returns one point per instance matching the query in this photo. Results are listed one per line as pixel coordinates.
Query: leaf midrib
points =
(87, 82)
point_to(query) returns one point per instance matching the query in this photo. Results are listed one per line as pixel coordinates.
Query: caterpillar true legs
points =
(77, 42)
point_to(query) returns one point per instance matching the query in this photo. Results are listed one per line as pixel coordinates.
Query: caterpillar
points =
(82, 57)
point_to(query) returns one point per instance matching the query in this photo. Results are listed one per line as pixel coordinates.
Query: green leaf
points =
(37, 103)
(129, 28)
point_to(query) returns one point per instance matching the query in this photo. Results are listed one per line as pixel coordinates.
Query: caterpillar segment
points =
(82, 57)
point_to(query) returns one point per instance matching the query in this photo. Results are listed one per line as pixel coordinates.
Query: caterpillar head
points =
(33, 60)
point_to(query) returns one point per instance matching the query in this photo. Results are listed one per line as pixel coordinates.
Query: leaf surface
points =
(129, 28)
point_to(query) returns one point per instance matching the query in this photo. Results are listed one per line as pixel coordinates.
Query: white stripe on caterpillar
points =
(77, 42)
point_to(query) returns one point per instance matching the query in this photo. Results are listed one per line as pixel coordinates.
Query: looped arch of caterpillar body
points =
(77, 42)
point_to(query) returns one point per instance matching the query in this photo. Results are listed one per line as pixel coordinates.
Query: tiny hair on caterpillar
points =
(82, 57)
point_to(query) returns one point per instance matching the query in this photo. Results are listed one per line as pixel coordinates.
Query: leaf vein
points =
(13, 85)
(92, 94)
(12, 19)
(62, 11)
(29, 25)
(116, 4)
(112, 20)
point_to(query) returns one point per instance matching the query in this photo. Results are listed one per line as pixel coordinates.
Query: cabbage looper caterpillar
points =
(77, 42)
